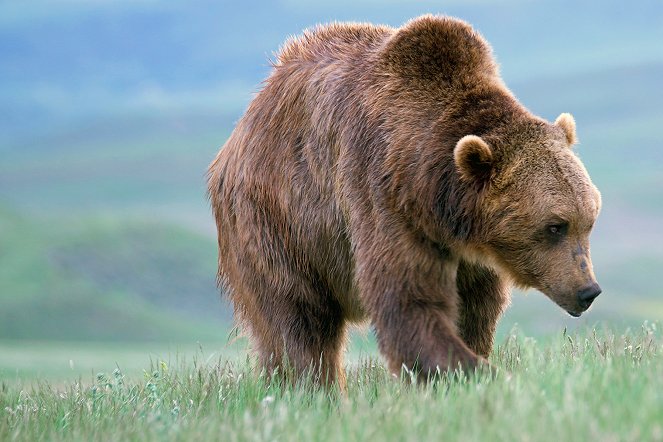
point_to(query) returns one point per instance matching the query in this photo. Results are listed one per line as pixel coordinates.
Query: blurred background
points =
(111, 110)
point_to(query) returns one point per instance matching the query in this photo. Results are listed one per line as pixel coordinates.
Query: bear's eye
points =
(557, 230)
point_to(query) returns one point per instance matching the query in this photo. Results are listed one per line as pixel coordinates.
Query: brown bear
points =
(389, 175)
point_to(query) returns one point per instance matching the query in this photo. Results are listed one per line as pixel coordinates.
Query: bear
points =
(388, 176)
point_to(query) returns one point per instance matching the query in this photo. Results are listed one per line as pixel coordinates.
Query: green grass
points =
(597, 385)
(28, 362)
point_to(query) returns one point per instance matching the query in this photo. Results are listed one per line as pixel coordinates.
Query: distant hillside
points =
(106, 280)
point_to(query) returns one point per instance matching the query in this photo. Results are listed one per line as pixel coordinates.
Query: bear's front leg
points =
(410, 293)
(484, 295)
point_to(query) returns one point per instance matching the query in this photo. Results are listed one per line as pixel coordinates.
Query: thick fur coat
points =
(389, 175)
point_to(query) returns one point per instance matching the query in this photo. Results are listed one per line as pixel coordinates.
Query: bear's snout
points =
(588, 294)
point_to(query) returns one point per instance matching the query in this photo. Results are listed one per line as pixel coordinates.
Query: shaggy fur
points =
(389, 175)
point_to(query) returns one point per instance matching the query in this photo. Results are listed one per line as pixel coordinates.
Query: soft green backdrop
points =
(111, 110)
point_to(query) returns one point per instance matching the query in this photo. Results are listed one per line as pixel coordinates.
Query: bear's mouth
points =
(574, 314)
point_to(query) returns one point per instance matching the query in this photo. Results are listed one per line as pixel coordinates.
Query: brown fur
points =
(348, 192)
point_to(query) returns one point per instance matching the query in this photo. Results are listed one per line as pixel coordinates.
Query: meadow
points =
(111, 325)
(597, 384)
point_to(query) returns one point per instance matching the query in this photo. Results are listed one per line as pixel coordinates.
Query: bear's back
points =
(332, 41)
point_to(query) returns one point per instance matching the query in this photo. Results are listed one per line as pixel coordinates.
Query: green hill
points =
(106, 280)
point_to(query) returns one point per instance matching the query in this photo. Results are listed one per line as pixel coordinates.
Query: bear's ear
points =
(474, 159)
(568, 125)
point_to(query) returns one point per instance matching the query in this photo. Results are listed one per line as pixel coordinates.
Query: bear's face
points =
(539, 208)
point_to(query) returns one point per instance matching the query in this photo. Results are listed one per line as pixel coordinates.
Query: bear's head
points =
(538, 207)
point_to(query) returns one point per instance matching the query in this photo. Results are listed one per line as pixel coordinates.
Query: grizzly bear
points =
(389, 175)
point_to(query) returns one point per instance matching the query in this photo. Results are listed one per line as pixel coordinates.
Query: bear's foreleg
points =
(483, 297)
(410, 294)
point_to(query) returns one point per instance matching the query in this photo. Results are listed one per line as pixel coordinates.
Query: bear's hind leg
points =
(297, 328)
(314, 342)
(484, 296)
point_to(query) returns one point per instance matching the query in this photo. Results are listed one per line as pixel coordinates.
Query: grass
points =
(596, 385)
(28, 362)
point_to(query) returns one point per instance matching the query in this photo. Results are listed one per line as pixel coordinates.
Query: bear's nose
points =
(588, 294)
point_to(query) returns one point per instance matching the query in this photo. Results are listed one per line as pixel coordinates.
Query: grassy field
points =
(108, 247)
(594, 385)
